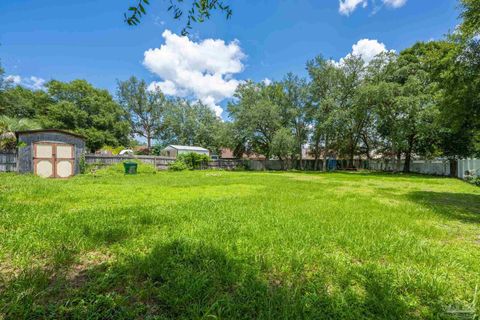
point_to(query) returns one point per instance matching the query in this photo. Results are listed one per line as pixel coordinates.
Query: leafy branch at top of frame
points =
(199, 11)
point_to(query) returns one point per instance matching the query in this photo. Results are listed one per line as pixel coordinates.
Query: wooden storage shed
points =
(49, 153)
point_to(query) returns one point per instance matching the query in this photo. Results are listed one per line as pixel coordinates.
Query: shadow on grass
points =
(461, 206)
(188, 280)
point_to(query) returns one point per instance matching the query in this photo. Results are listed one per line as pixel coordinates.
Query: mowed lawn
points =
(239, 245)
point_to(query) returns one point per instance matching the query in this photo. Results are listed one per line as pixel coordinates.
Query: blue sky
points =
(87, 39)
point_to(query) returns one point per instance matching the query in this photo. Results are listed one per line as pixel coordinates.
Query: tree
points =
(471, 17)
(296, 111)
(456, 69)
(198, 11)
(323, 93)
(256, 115)
(379, 93)
(20, 102)
(353, 114)
(283, 145)
(143, 107)
(79, 107)
(190, 124)
(3, 86)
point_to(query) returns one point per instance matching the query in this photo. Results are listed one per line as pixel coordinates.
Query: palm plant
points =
(8, 126)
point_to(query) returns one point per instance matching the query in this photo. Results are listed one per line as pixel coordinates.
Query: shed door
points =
(52, 160)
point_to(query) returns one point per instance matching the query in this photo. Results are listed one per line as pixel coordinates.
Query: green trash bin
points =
(130, 167)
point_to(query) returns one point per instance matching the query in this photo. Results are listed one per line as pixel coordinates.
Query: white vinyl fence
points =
(468, 167)
(433, 167)
(439, 167)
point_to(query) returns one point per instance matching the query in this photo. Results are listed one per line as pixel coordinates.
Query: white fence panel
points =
(468, 165)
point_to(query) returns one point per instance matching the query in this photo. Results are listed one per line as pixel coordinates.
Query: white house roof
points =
(187, 148)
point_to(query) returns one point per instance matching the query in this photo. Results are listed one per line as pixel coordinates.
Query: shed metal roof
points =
(49, 130)
(187, 148)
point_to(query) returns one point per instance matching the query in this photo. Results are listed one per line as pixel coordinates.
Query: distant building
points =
(226, 153)
(174, 150)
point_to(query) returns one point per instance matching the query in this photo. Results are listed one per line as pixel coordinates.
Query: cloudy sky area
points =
(265, 39)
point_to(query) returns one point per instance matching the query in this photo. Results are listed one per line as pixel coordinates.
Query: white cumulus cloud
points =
(32, 82)
(394, 3)
(35, 83)
(267, 81)
(367, 49)
(203, 70)
(15, 79)
(347, 7)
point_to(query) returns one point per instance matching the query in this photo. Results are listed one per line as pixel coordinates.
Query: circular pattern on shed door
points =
(64, 168)
(44, 168)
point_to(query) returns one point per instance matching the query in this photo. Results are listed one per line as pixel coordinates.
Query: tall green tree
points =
(323, 93)
(471, 17)
(296, 111)
(143, 107)
(353, 115)
(21, 102)
(283, 145)
(79, 107)
(187, 123)
(256, 114)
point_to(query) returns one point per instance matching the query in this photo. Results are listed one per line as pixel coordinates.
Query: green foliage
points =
(8, 126)
(199, 11)
(193, 160)
(78, 106)
(283, 144)
(238, 245)
(113, 150)
(186, 123)
(475, 181)
(178, 165)
(82, 164)
(144, 108)
(257, 115)
(471, 17)
(157, 149)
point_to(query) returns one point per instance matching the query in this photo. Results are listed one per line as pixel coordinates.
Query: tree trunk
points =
(324, 161)
(315, 164)
(301, 157)
(408, 155)
(399, 159)
(149, 141)
(408, 158)
(351, 165)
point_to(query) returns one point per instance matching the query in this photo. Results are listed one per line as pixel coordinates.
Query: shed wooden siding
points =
(28, 139)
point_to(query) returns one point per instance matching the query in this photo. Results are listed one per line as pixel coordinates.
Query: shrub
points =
(114, 150)
(177, 165)
(157, 150)
(193, 160)
(472, 177)
(475, 181)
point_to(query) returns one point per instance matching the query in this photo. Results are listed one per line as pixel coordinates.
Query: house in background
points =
(227, 154)
(173, 150)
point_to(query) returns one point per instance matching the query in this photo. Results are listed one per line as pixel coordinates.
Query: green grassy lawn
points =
(239, 245)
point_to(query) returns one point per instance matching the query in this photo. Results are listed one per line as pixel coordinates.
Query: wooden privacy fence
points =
(161, 163)
(439, 167)
(8, 161)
